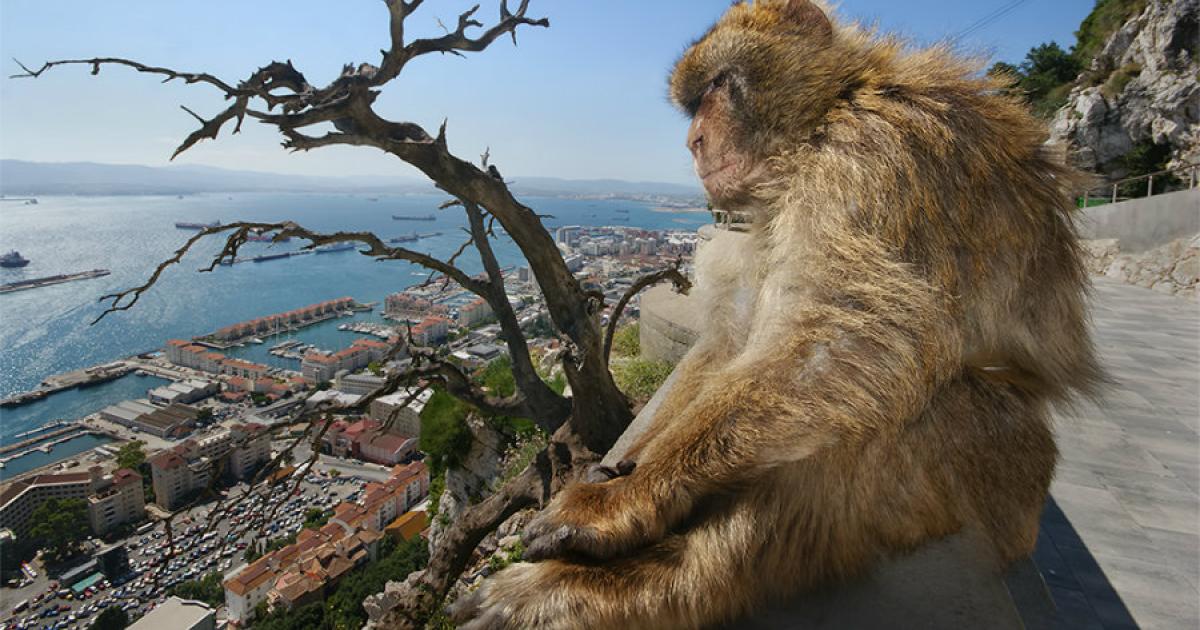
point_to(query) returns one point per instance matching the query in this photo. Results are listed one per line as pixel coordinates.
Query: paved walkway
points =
(1120, 544)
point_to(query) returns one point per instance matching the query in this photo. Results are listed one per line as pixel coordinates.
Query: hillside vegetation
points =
(1048, 72)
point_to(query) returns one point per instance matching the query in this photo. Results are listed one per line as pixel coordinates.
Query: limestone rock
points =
(1150, 91)
(1173, 268)
(1186, 271)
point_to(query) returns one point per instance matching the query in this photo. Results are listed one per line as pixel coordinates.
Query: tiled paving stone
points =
(1120, 542)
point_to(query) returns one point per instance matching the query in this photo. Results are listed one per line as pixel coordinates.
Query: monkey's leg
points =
(819, 375)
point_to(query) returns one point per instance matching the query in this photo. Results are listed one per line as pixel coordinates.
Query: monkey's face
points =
(756, 86)
(726, 165)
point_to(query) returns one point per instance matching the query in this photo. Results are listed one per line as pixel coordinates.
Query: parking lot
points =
(157, 565)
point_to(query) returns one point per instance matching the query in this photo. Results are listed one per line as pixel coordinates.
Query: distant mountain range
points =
(18, 177)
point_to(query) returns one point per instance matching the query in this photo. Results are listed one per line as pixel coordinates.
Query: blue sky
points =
(583, 99)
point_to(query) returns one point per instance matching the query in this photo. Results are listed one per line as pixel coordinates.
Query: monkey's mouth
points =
(717, 171)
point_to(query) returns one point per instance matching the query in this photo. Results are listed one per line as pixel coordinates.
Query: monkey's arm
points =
(840, 367)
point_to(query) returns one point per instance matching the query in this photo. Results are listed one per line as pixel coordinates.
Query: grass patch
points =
(639, 378)
(627, 341)
(1118, 80)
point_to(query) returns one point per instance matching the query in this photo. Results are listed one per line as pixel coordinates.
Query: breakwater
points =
(69, 380)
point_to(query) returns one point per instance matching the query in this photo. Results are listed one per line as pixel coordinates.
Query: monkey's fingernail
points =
(600, 474)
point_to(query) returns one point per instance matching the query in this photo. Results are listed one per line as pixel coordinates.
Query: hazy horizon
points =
(584, 99)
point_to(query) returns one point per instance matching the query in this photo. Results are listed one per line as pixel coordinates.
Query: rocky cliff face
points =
(1142, 88)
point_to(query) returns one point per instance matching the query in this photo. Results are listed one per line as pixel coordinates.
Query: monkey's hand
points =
(599, 520)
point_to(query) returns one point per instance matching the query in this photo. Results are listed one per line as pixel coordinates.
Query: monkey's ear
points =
(808, 19)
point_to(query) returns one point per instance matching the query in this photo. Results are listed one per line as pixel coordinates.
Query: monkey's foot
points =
(513, 599)
(590, 519)
(478, 611)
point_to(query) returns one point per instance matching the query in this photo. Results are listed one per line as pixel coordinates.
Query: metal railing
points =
(1193, 180)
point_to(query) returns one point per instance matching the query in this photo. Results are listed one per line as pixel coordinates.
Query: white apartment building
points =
(191, 465)
(111, 499)
(119, 499)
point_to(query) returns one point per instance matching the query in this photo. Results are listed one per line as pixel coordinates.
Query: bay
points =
(48, 330)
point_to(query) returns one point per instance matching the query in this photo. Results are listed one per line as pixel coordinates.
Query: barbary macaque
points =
(880, 355)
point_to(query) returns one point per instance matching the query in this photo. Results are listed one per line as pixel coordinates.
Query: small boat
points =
(266, 257)
(13, 259)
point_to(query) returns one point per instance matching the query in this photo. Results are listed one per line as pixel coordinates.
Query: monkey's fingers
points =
(541, 544)
(599, 473)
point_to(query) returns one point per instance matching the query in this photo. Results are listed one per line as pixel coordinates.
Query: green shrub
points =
(1145, 158)
(1099, 25)
(627, 341)
(207, 589)
(444, 434)
(640, 378)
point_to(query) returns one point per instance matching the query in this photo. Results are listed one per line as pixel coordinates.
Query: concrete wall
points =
(1142, 224)
(668, 324)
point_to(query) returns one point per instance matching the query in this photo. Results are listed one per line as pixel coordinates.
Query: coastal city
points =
(525, 315)
(207, 498)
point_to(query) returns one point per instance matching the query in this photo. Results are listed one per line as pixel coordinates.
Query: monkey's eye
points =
(718, 82)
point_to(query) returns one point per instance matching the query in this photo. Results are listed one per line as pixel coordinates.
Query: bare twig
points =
(672, 273)
(124, 300)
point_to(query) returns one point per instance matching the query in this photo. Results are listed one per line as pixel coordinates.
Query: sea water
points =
(48, 330)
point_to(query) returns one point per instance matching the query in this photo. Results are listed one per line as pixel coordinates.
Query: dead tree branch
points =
(586, 425)
(672, 273)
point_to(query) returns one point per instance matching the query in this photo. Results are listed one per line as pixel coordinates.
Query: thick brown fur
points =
(881, 352)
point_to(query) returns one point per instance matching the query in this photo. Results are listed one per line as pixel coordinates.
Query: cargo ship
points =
(266, 257)
(184, 225)
(428, 217)
(337, 247)
(13, 259)
(49, 280)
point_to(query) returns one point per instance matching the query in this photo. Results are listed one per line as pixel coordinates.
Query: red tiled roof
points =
(124, 476)
(246, 365)
(167, 460)
(251, 577)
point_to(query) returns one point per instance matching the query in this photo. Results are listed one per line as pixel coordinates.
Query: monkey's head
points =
(758, 84)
